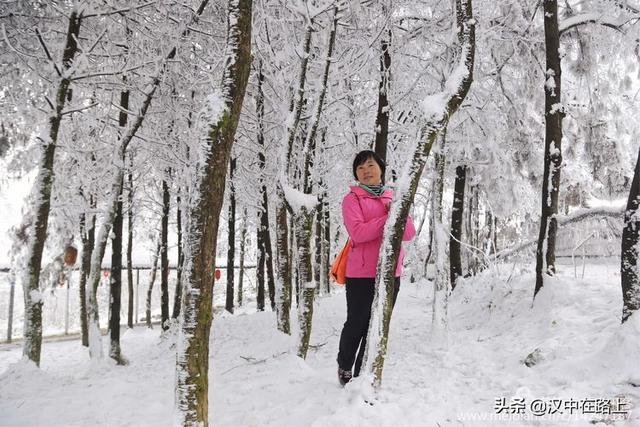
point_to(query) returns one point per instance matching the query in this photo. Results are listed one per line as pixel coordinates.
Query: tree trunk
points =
(177, 298)
(429, 250)
(263, 213)
(441, 283)
(260, 268)
(382, 116)
(164, 257)
(192, 367)
(630, 250)
(33, 298)
(454, 93)
(303, 223)
(243, 238)
(457, 214)
(317, 251)
(116, 287)
(88, 241)
(271, 281)
(326, 249)
(152, 280)
(546, 250)
(293, 262)
(130, 245)
(490, 235)
(472, 225)
(231, 235)
(283, 288)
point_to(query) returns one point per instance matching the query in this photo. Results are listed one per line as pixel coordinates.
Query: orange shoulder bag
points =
(339, 266)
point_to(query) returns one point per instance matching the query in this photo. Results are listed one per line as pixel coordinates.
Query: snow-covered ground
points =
(585, 360)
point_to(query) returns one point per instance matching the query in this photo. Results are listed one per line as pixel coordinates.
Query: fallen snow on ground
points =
(572, 333)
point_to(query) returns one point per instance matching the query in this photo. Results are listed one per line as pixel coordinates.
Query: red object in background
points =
(218, 274)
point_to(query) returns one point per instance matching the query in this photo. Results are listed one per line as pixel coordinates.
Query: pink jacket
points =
(364, 216)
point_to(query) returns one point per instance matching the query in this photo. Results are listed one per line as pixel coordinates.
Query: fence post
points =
(66, 306)
(137, 291)
(12, 283)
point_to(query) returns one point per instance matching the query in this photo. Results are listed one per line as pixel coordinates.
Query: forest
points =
(173, 176)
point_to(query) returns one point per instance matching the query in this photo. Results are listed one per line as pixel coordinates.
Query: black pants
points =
(354, 332)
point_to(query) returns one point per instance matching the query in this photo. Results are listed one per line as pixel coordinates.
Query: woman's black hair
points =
(365, 155)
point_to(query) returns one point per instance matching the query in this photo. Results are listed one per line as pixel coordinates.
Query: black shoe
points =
(344, 376)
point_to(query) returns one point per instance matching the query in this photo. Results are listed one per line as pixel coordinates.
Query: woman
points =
(364, 210)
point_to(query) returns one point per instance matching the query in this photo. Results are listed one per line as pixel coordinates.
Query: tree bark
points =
(164, 257)
(260, 268)
(177, 298)
(33, 298)
(284, 283)
(472, 225)
(317, 250)
(271, 281)
(231, 239)
(303, 222)
(457, 214)
(630, 250)
(192, 367)
(243, 238)
(326, 240)
(382, 116)
(441, 283)
(152, 280)
(130, 244)
(116, 287)
(88, 241)
(545, 252)
(263, 213)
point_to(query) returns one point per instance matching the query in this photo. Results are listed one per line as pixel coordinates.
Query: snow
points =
(36, 296)
(298, 200)
(256, 379)
(434, 106)
(214, 108)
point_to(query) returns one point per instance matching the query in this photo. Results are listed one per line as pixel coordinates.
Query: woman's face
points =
(369, 173)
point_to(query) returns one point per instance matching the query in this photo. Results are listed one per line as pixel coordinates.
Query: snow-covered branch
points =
(594, 18)
(297, 200)
(119, 11)
(564, 220)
